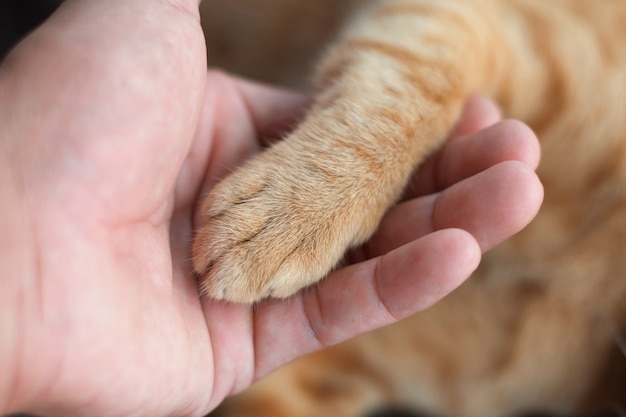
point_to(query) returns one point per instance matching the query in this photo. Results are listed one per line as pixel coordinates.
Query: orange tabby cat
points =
(537, 329)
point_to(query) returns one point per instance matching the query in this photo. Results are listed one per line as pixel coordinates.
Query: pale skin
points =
(112, 131)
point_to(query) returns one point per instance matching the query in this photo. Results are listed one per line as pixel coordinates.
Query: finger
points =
(236, 114)
(479, 113)
(492, 206)
(363, 297)
(275, 112)
(465, 156)
(245, 113)
(225, 139)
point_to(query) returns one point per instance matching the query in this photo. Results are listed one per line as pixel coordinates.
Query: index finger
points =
(274, 111)
(244, 114)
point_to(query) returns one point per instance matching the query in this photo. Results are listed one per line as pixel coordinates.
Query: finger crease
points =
(314, 330)
(377, 281)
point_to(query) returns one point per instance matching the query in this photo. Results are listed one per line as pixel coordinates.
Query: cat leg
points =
(389, 91)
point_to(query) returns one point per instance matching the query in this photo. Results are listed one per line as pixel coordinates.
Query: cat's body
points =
(536, 328)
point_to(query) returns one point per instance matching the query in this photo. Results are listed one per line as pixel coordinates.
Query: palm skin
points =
(112, 132)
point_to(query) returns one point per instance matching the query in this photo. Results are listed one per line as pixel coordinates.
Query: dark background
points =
(18, 17)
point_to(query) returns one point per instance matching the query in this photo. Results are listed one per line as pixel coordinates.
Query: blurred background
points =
(18, 17)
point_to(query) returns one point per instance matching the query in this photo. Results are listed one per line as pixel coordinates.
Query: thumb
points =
(108, 93)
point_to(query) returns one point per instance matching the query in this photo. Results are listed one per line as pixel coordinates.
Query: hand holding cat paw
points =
(477, 191)
(97, 203)
(285, 219)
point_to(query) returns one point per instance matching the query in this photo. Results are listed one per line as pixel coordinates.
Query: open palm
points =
(110, 149)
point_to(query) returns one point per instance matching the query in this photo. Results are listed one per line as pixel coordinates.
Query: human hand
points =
(103, 158)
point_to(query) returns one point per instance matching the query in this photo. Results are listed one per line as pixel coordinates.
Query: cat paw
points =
(278, 224)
